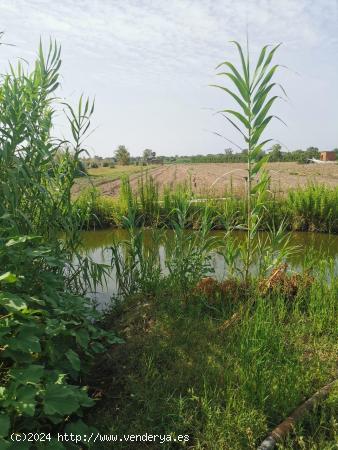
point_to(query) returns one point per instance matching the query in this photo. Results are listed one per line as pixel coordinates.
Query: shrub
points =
(94, 165)
(48, 339)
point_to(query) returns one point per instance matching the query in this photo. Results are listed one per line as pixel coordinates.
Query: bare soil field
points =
(219, 179)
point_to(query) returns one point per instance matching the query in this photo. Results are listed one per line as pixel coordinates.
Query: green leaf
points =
(8, 277)
(259, 164)
(245, 66)
(256, 79)
(25, 341)
(259, 130)
(235, 97)
(239, 116)
(12, 302)
(29, 374)
(20, 240)
(25, 403)
(260, 118)
(74, 359)
(258, 186)
(82, 337)
(96, 347)
(260, 59)
(5, 424)
(2, 392)
(234, 71)
(60, 399)
(242, 89)
(260, 98)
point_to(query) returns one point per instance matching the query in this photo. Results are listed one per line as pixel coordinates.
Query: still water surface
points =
(97, 245)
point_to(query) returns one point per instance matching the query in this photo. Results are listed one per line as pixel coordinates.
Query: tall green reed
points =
(37, 170)
(188, 256)
(137, 266)
(252, 95)
(148, 195)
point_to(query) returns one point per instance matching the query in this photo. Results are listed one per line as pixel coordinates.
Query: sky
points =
(149, 66)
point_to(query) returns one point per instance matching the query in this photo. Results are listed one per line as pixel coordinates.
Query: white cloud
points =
(110, 46)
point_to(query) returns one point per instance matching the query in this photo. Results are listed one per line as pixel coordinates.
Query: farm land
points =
(215, 179)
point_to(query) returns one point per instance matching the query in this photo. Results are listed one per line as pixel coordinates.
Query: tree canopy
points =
(122, 155)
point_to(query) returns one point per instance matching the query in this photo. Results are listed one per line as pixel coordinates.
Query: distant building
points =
(327, 156)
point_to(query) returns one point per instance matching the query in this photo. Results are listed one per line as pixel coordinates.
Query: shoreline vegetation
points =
(177, 352)
(313, 208)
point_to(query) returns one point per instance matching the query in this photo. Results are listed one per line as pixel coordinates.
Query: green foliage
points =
(237, 156)
(137, 266)
(275, 153)
(48, 332)
(148, 199)
(314, 208)
(224, 376)
(96, 210)
(122, 155)
(148, 154)
(252, 96)
(188, 257)
(48, 339)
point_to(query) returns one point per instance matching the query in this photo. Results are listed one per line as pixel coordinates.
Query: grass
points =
(116, 172)
(223, 370)
(313, 208)
(102, 175)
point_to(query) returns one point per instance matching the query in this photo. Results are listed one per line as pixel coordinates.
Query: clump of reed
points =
(313, 208)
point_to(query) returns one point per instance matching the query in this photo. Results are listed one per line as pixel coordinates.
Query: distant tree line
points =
(122, 157)
(276, 155)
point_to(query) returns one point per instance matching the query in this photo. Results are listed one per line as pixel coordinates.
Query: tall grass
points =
(223, 375)
(313, 208)
(148, 195)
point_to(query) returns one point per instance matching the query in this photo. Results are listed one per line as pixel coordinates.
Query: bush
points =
(94, 165)
(105, 164)
(48, 339)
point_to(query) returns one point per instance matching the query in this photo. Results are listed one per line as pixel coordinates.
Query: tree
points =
(312, 152)
(122, 155)
(276, 153)
(147, 154)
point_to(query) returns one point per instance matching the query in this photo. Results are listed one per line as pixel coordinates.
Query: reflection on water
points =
(97, 245)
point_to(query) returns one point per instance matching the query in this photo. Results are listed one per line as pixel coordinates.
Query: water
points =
(97, 245)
